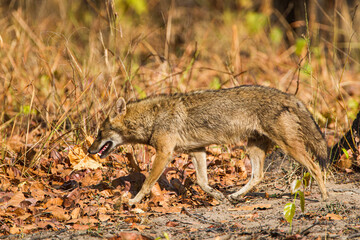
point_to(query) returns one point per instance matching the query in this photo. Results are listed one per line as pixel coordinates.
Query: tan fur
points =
(189, 122)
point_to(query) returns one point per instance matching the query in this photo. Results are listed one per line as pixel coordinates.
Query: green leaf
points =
(166, 235)
(306, 69)
(140, 91)
(255, 21)
(25, 109)
(215, 83)
(302, 200)
(289, 212)
(353, 104)
(295, 186)
(276, 35)
(139, 6)
(306, 179)
(346, 153)
(300, 44)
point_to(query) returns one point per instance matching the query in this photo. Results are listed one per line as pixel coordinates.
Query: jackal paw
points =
(224, 201)
(234, 199)
(220, 197)
(132, 202)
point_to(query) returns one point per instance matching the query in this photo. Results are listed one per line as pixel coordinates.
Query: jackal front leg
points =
(162, 158)
(199, 160)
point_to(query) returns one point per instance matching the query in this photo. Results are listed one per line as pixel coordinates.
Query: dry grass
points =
(62, 65)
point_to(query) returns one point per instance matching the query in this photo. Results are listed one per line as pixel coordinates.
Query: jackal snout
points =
(102, 148)
(108, 138)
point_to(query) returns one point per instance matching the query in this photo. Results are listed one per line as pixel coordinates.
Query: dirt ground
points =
(259, 216)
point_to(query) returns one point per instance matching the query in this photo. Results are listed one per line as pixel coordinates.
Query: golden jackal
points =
(189, 122)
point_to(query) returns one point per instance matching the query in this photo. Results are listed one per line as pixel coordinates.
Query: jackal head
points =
(110, 134)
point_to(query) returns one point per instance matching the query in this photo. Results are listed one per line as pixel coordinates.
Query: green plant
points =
(166, 236)
(289, 209)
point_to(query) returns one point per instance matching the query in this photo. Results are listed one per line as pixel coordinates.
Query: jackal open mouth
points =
(105, 150)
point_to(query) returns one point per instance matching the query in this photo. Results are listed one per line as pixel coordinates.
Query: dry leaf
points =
(72, 198)
(37, 191)
(103, 217)
(140, 228)
(107, 193)
(16, 199)
(90, 210)
(80, 227)
(29, 228)
(53, 202)
(129, 236)
(75, 213)
(332, 216)
(172, 224)
(132, 219)
(92, 178)
(80, 160)
(15, 230)
(346, 160)
(166, 210)
(47, 224)
(58, 213)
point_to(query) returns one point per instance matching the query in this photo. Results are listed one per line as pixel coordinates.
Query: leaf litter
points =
(73, 194)
(80, 191)
(67, 195)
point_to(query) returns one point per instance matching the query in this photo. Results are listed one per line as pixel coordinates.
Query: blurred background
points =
(63, 63)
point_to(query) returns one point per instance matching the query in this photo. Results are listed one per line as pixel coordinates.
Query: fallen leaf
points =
(72, 198)
(103, 217)
(53, 202)
(77, 226)
(90, 210)
(132, 219)
(166, 210)
(75, 213)
(172, 224)
(29, 228)
(83, 220)
(16, 199)
(38, 194)
(107, 193)
(346, 160)
(25, 216)
(46, 225)
(80, 160)
(15, 230)
(58, 213)
(332, 216)
(138, 227)
(214, 202)
(129, 236)
(92, 178)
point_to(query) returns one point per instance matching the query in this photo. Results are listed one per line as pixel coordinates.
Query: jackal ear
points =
(120, 107)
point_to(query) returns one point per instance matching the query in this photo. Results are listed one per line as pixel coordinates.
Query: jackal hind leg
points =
(256, 150)
(198, 157)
